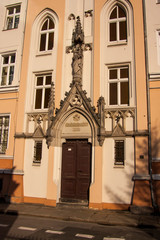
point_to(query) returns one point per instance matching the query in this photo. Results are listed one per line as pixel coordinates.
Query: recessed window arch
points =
(47, 35)
(117, 24)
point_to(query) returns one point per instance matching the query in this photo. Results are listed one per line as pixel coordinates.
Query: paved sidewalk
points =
(105, 217)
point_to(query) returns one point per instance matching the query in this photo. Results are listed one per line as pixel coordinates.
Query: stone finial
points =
(78, 34)
(51, 105)
(77, 49)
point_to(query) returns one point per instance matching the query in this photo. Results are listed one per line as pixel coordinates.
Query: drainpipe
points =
(154, 205)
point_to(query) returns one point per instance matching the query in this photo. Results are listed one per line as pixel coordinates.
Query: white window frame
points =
(117, 21)
(43, 87)
(2, 129)
(118, 81)
(47, 32)
(14, 15)
(8, 65)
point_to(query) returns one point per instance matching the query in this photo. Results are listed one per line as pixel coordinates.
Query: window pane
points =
(50, 41)
(114, 13)
(124, 73)
(6, 60)
(113, 74)
(10, 10)
(11, 74)
(39, 81)
(18, 9)
(113, 32)
(43, 42)
(48, 80)
(121, 12)
(13, 58)
(9, 22)
(51, 24)
(46, 98)
(44, 27)
(124, 93)
(4, 76)
(38, 154)
(113, 93)
(16, 22)
(38, 99)
(6, 122)
(123, 30)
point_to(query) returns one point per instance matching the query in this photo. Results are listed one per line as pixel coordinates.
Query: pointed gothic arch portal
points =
(76, 158)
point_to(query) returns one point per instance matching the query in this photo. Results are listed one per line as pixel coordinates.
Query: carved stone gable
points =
(38, 133)
(118, 131)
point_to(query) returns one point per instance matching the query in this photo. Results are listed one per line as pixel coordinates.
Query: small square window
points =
(37, 152)
(12, 17)
(119, 152)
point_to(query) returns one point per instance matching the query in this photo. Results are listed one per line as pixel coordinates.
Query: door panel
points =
(68, 186)
(83, 170)
(76, 170)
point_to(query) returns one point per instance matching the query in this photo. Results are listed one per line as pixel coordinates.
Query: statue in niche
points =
(77, 63)
(77, 49)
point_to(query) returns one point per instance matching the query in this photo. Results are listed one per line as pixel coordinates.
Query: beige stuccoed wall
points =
(95, 197)
(139, 60)
(34, 8)
(155, 113)
(8, 105)
(51, 186)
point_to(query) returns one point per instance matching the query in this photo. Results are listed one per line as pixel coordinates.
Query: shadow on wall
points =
(139, 191)
(7, 189)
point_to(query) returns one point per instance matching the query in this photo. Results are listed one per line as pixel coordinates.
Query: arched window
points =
(47, 35)
(117, 25)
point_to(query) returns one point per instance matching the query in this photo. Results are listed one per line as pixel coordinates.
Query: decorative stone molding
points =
(88, 47)
(123, 121)
(69, 49)
(88, 13)
(39, 119)
(71, 17)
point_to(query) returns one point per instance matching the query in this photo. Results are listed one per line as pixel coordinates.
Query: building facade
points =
(152, 43)
(12, 25)
(81, 132)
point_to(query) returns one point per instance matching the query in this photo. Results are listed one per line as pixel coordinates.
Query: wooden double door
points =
(76, 170)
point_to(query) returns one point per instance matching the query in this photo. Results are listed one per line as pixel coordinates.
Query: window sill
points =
(40, 110)
(36, 163)
(8, 88)
(5, 29)
(118, 106)
(4, 156)
(118, 166)
(114, 44)
(46, 53)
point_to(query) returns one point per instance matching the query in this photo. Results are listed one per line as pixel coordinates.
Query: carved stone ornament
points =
(71, 17)
(89, 13)
(76, 100)
(76, 97)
